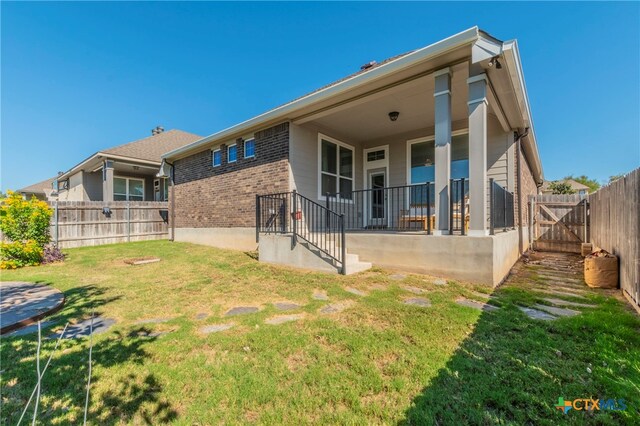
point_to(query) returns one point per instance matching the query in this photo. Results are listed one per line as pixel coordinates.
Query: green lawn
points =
(377, 362)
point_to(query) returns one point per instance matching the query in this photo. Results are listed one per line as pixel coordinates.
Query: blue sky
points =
(80, 77)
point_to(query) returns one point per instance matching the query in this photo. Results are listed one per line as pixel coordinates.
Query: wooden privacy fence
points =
(90, 223)
(615, 224)
(560, 222)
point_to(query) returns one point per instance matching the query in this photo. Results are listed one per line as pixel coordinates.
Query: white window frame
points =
(127, 179)
(245, 148)
(213, 157)
(321, 137)
(430, 138)
(228, 149)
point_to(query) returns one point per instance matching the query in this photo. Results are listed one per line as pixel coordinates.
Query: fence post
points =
(491, 208)
(327, 214)
(295, 217)
(257, 218)
(450, 206)
(128, 221)
(504, 210)
(55, 214)
(462, 207)
(344, 245)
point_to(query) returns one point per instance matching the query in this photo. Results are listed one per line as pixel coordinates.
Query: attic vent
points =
(157, 130)
(368, 65)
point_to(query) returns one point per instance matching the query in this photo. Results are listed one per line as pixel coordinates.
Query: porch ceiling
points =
(368, 118)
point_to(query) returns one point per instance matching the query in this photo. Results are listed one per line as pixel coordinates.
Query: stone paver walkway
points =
(560, 312)
(560, 302)
(414, 290)
(24, 303)
(536, 314)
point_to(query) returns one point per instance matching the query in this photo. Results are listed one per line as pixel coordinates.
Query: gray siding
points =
(93, 186)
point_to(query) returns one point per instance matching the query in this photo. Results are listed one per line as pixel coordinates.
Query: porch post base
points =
(478, 232)
(440, 232)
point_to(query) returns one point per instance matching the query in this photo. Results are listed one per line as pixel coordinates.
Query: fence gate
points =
(560, 222)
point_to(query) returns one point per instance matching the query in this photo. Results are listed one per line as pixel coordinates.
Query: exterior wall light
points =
(393, 115)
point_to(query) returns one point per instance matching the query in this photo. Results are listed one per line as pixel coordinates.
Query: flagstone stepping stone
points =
(333, 308)
(355, 291)
(397, 277)
(149, 333)
(153, 321)
(83, 328)
(535, 314)
(380, 287)
(286, 306)
(241, 310)
(214, 328)
(23, 303)
(480, 295)
(142, 260)
(320, 295)
(572, 289)
(561, 302)
(414, 290)
(440, 281)
(281, 319)
(578, 294)
(476, 305)
(33, 328)
(201, 315)
(560, 312)
(418, 301)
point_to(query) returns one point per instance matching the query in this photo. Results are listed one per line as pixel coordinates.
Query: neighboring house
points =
(384, 144)
(41, 190)
(576, 186)
(125, 172)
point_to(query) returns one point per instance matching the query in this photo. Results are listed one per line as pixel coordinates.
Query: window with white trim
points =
(217, 157)
(232, 153)
(128, 189)
(249, 148)
(336, 168)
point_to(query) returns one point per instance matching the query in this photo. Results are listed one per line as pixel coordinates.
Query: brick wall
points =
(528, 186)
(224, 196)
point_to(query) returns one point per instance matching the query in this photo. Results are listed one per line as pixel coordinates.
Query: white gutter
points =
(282, 112)
(512, 56)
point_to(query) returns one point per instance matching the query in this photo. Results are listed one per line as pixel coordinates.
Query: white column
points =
(442, 100)
(107, 181)
(478, 155)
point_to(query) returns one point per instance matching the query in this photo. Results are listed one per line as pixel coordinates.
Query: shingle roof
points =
(371, 66)
(38, 188)
(151, 148)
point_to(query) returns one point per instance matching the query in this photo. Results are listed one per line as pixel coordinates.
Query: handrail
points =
(305, 219)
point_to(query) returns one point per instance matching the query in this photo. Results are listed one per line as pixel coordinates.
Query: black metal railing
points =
(397, 208)
(305, 219)
(501, 213)
(458, 205)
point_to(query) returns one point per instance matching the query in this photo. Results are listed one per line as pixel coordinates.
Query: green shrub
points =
(26, 224)
(17, 254)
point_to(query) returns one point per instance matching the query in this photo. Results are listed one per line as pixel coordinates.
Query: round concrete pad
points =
(24, 303)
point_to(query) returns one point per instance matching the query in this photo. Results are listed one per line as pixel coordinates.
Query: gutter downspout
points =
(518, 138)
(173, 200)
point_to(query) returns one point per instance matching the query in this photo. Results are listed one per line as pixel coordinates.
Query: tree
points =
(591, 183)
(560, 187)
(615, 178)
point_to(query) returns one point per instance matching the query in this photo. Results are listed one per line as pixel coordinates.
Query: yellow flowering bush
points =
(26, 224)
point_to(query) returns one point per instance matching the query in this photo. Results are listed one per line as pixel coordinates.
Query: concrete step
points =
(355, 267)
